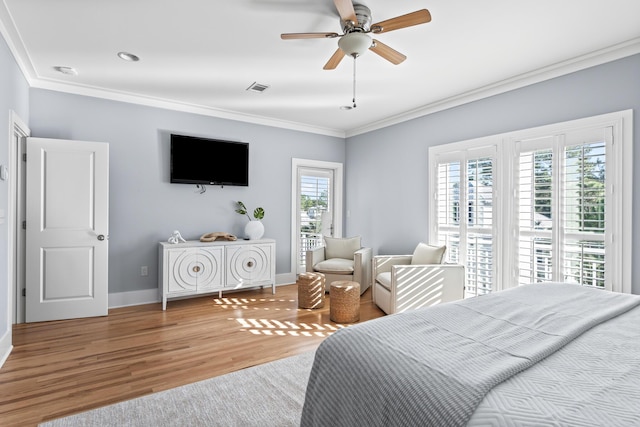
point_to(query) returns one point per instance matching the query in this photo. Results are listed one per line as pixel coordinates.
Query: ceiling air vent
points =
(257, 87)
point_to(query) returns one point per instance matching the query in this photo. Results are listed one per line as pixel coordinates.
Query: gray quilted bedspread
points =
(433, 367)
(594, 381)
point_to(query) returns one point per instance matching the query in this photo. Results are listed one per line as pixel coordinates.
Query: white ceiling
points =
(202, 55)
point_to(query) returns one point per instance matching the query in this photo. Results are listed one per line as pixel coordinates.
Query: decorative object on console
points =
(176, 237)
(254, 229)
(217, 235)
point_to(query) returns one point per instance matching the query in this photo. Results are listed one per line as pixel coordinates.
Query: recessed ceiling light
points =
(66, 70)
(128, 56)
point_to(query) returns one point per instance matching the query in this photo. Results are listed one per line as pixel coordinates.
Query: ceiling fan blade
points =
(410, 19)
(346, 10)
(387, 53)
(334, 60)
(292, 36)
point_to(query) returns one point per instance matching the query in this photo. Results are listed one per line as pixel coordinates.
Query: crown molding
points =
(15, 44)
(182, 107)
(592, 59)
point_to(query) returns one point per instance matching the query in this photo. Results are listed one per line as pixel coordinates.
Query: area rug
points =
(271, 394)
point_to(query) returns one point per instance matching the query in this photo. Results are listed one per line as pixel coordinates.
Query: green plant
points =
(258, 213)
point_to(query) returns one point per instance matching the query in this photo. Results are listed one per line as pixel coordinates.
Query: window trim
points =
(620, 159)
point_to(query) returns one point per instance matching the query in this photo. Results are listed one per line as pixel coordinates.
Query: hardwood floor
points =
(64, 367)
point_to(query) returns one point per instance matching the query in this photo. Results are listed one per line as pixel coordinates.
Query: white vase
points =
(254, 230)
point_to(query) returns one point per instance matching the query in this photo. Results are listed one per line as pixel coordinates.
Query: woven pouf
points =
(344, 302)
(311, 290)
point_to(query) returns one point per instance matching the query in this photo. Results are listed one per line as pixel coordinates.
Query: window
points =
(315, 202)
(554, 200)
(465, 215)
(316, 208)
(561, 207)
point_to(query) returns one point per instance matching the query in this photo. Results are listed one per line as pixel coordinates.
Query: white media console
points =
(195, 268)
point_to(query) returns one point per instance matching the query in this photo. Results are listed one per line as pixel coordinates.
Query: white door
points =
(67, 229)
(317, 206)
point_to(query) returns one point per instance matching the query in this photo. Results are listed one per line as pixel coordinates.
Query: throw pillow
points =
(335, 247)
(428, 254)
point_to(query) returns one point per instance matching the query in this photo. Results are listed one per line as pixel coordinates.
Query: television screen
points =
(209, 161)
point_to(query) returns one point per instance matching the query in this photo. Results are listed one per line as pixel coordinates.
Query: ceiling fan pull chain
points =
(354, 82)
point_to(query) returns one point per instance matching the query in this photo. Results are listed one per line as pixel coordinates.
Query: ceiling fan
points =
(356, 26)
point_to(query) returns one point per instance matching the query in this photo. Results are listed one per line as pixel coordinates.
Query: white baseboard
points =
(5, 346)
(126, 299)
(150, 296)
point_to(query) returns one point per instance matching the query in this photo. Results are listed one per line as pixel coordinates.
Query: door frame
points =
(338, 186)
(15, 216)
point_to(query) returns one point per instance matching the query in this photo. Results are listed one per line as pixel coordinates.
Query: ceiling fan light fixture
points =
(355, 44)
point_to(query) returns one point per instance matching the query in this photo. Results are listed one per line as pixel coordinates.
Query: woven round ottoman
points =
(344, 304)
(311, 290)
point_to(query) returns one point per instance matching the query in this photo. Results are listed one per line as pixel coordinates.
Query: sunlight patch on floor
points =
(248, 303)
(277, 328)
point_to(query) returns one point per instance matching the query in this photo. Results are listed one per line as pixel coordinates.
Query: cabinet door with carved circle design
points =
(249, 264)
(195, 269)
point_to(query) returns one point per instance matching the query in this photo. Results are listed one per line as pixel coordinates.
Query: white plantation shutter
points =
(316, 188)
(480, 226)
(561, 201)
(465, 215)
(449, 209)
(550, 204)
(535, 211)
(584, 201)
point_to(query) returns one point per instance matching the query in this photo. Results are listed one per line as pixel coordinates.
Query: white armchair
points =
(407, 282)
(341, 259)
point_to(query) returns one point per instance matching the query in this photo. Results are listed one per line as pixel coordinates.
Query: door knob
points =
(100, 237)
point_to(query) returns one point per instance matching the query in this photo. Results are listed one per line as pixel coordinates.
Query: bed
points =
(551, 354)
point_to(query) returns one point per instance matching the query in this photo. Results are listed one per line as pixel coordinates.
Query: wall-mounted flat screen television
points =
(209, 161)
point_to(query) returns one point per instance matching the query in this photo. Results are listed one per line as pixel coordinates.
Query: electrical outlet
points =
(144, 270)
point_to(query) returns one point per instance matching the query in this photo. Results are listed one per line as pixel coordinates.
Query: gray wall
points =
(145, 208)
(14, 96)
(386, 171)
